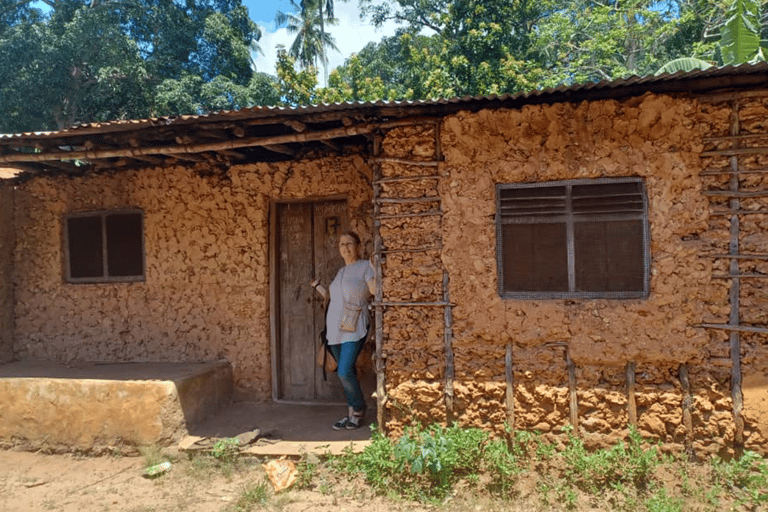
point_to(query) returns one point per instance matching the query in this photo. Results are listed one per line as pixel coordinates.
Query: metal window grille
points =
(104, 246)
(573, 239)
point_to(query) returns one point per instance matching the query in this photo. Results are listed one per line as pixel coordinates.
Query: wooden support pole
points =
(631, 404)
(449, 363)
(380, 363)
(734, 294)
(510, 378)
(574, 403)
(735, 328)
(687, 406)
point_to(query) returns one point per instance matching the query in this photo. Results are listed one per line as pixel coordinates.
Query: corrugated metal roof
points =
(648, 83)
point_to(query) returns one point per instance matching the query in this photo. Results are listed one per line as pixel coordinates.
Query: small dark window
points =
(105, 246)
(573, 239)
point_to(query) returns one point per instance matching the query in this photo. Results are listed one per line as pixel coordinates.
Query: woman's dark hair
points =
(354, 236)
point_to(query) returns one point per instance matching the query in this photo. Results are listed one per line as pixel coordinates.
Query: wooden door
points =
(307, 247)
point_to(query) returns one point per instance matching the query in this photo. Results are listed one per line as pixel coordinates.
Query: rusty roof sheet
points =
(559, 93)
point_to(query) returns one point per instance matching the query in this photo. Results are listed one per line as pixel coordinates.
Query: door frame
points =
(274, 320)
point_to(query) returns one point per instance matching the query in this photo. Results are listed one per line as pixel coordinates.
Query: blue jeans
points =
(346, 354)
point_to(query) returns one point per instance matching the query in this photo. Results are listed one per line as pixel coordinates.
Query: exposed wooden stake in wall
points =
(449, 365)
(733, 249)
(380, 362)
(631, 404)
(687, 407)
(574, 403)
(510, 395)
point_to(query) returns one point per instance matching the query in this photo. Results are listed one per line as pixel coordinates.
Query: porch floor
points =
(287, 429)
(92, 406)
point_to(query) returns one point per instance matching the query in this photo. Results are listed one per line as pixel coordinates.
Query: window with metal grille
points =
(104, 246)
(573, 239)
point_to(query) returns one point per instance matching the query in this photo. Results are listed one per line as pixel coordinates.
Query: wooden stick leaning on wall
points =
(380, 363)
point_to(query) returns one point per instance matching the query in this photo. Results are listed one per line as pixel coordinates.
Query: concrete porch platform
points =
(94, 407)
(287, 429)
(97, 406)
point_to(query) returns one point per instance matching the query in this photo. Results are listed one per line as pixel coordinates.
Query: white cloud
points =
(351, 36)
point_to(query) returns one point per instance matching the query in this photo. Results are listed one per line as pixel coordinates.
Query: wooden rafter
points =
(186, 148)
(280, 148)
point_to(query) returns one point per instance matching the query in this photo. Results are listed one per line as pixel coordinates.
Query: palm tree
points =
(311, 40)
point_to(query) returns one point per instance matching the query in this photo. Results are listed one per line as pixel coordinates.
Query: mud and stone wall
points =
(747, 120)
(7, 237)
(657, 138)
(205, 296)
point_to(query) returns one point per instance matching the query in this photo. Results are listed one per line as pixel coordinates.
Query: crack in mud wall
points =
(206, 293)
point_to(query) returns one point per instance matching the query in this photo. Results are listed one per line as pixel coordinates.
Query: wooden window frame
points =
(568, 218)
(105, 277)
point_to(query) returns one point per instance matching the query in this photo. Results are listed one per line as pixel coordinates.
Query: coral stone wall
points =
(718, 119)
(6, 273)
(600, 354)
(206, 291)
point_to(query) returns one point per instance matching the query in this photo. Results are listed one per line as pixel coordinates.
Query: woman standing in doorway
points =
(347, 323)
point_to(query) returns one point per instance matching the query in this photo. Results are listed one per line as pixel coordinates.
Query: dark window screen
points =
(124, 245)
(85, 247)
(609, 256)
(118, 236)
(535, 257)
(583, 238)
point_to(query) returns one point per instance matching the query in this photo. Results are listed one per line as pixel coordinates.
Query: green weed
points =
(255, 495)
(746, 477)
(659, 501)
(226, 450)
(629, 463)
(422, 464)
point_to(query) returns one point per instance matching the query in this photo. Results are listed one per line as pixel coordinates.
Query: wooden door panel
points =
(330, 222)
(307, 246)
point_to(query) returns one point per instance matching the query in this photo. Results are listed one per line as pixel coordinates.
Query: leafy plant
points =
(254, 495)
(630, 463)
(226, 450)
(422, 464)
(745, 476)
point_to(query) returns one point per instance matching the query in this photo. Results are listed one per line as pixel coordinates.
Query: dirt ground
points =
(33, 482)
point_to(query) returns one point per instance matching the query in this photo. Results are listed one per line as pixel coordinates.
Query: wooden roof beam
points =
(296, 125)
(331, 145)
(179, 150)
(279, 148)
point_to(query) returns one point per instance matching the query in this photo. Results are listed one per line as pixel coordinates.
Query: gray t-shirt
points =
(353, 279)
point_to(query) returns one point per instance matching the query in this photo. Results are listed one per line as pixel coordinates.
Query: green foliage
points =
(622, 463)
(109, 59)
(226, 450)
(740, 34)
(746, 476)
(253, 497)
(661, 501)
(312, 42)
(306, 470)
(295, 87)
(422, 464)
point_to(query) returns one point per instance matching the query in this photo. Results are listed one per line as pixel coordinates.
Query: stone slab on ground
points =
(93, 406)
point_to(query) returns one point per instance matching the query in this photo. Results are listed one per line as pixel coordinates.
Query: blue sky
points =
(263, 11)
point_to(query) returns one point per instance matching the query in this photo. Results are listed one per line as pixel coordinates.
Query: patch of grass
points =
(306, 470)
(255, 495)
(624, 462)
(660, 501)
(746, 477)
(423, 464)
